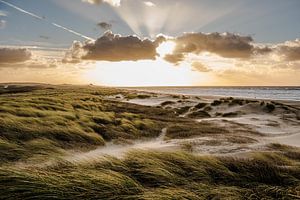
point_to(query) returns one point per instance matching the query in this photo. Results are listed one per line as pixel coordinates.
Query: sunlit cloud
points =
(149, 4)
(111, 2)
(226, 45)
(211, 54)
(115, 48)
(199, 67)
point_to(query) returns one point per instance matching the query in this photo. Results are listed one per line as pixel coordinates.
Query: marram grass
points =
(155, 175)
(39, 125)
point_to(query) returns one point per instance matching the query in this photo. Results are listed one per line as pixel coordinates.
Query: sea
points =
(271, 93)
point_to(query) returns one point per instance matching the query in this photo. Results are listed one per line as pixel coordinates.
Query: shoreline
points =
(210, 96)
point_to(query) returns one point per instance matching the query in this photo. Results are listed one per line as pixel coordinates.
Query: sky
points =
(151, 42)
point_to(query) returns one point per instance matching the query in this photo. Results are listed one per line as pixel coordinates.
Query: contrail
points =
(42, 18)
(71, 31)
(21, 10)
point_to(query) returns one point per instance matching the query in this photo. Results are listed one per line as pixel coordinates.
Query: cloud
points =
(114, 48)
(197, 66)
(149, 4)
(45, 37)
(14, 55)
(105, 25)
(75, 53)
(190, 47)
(111, 2)
(290, 50)
(29, 65)
(2, 13)
(175, 58)
(2, 24)
(115, 3)
(227, 45)
(35, 58)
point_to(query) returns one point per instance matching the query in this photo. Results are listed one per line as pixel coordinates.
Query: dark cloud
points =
(112, 47)
(291, 53)
(44, 37)
(262, 50)
(22, 58)
(105, 25)
(14, 55)
(197, 66)
(175, 58)
(290, 50)
(226, 45)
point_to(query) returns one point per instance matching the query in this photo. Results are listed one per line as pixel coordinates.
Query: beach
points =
(86, 139)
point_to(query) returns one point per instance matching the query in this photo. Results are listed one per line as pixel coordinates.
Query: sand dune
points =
(275, 121)
(259, 123)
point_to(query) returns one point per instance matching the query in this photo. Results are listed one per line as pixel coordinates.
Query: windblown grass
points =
(192, 129)
(70, 117)
(156, 175)
(42, 123)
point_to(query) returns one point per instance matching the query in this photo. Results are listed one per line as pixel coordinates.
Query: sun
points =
(166, 48)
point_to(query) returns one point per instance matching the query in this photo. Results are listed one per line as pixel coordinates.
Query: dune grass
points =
(192, 129)
(71, 117)
(42, 123)
(157, 175)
